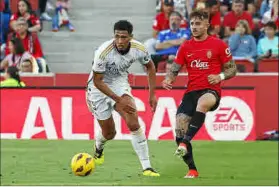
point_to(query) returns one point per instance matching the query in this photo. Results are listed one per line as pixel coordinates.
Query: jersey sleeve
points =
(180, 57)
(144, 57)
(99, 63)
(225, 53)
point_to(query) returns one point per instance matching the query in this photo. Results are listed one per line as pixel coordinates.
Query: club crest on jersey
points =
(209, 54)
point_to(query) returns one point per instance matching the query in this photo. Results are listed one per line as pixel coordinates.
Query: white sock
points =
(139, 143)
(100, 141)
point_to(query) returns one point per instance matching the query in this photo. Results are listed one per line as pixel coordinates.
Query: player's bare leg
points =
(182, 122)
(205, 103)
(108, 133)
(139, 141)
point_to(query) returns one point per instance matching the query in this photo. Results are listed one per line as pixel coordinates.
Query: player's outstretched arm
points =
(229, 69)
(171, 75)
(151, 72)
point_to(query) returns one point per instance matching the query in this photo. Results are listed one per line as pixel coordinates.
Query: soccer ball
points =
(83, 164)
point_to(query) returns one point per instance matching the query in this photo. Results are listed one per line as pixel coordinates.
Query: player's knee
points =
(133, 127)
(110, 135)
(204, 107)
(205, 103)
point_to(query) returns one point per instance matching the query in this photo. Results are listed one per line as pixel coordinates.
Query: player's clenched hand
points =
(167, 84)
(153, 102)
(126, 105)
(214, 79)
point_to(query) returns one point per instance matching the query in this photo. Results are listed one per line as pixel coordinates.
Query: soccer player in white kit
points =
(108, 89)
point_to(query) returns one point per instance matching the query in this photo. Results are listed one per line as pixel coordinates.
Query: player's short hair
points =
(271, 24)
(211, 3)
(200, 14)
(123, 25)
(175, 13)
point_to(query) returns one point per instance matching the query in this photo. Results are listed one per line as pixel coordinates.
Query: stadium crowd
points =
(250, 27)
(20, 27)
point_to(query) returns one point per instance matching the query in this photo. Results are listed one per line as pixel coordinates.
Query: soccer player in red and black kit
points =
(209, 62)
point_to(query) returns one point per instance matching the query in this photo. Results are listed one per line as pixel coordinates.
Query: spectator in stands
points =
(242, 43)
(225, 6)
(212, 7)
(61, 16)
(12, 78)
(26, 66)
(266, 6)
(30, 42)
(237, 13)
(168, 41)
(42, 8)
(269, 11)
(184, 7)
(25, 11)
(268, 46)
(18, 55)
(160, 23)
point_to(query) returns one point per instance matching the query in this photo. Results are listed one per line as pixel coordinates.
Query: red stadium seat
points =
(34, 4)
(244, 66)
(268, 65)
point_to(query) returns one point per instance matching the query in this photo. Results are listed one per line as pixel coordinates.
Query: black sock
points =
(178, 140)
(188, 158)
(194, 126)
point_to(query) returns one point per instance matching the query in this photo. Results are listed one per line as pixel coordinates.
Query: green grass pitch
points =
(47, 162)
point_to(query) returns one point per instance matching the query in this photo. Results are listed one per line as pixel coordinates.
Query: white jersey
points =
(114, 66)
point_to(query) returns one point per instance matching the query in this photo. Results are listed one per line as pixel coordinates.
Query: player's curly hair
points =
(123, 25)
(200, 14)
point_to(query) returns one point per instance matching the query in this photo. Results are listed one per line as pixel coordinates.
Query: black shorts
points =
(190, 100)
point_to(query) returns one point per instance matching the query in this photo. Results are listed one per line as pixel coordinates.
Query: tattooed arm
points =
(172, 73)
(229, 71)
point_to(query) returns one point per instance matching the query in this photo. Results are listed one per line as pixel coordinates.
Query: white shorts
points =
(100, 104)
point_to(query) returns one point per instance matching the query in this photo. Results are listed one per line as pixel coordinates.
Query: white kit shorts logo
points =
(233, 120)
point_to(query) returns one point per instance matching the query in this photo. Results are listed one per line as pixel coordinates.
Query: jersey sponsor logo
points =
(228, 52)
(199, 64)
(112, 69)
(233, 120)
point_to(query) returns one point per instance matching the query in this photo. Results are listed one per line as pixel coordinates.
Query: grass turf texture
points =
(46, 162)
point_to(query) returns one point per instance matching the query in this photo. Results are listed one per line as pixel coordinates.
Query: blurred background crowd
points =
(250, 27)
